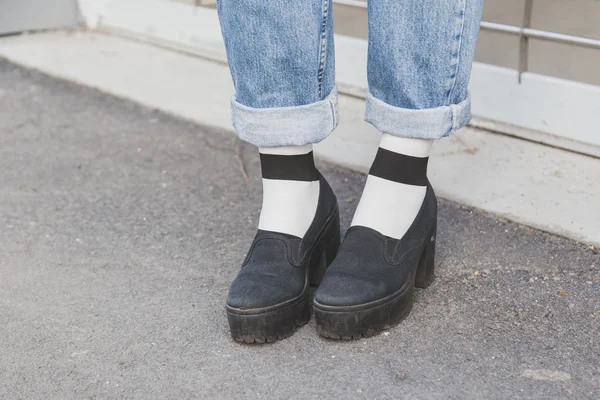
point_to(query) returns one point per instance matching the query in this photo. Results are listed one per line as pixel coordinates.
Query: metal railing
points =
(524, 32)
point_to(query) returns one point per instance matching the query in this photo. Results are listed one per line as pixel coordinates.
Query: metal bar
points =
(513, 30)
(524, 40)
(494, 27)
(542, 35)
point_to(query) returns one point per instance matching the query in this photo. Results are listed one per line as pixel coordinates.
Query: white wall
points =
(567, 113)
(25, 15)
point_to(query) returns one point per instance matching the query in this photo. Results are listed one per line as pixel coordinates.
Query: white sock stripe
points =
(407, 146)
(286, 150)
(388, 206)
(288, 206)
(285, 182)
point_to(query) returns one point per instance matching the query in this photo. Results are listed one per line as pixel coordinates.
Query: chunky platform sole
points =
(364, 320)
(268, 324)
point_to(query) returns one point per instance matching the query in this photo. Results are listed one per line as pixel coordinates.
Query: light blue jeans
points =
(281, 56)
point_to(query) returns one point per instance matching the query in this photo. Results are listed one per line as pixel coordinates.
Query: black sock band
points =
(299, 167)
(400, 168)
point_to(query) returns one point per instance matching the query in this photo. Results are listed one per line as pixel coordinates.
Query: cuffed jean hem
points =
(431, 123)
(286, 126)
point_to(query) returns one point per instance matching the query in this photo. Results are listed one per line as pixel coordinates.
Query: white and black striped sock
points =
(395, 187)
(290, 189)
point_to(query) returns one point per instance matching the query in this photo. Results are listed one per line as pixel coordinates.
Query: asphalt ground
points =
(121, 228)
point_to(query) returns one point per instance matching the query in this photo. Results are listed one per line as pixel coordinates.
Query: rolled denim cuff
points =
(430, 123)
(286, 126)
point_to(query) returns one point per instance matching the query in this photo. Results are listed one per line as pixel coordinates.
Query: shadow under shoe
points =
(269, 298)
(370, 285)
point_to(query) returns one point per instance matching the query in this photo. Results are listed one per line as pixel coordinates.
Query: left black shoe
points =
(369, 286)
(269, 298)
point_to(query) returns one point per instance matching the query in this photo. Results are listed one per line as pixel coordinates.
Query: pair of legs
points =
(281, 56)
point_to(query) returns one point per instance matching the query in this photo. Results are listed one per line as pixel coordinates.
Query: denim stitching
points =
(333, 114)
(323, 55)
(461, 15)
(455, 120)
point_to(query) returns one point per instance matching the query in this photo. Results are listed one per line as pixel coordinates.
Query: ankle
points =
(290, 189)
(395, 187)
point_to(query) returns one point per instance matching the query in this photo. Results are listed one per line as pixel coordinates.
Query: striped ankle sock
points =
(395, 187)
(290, 189)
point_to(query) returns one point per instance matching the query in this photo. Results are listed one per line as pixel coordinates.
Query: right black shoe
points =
(370, 285)
(269, 298)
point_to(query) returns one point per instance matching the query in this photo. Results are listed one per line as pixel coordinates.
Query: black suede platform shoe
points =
(370, 285)
(269, 298)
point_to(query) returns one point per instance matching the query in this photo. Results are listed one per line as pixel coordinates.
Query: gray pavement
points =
(121, 228)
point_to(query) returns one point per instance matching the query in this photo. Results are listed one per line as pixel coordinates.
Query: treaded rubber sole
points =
(270, 326)
(348, 325)
(253, 339)
(355, 322)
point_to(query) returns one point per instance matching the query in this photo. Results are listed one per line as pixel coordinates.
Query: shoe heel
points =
(325, 255)
(425, 270)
